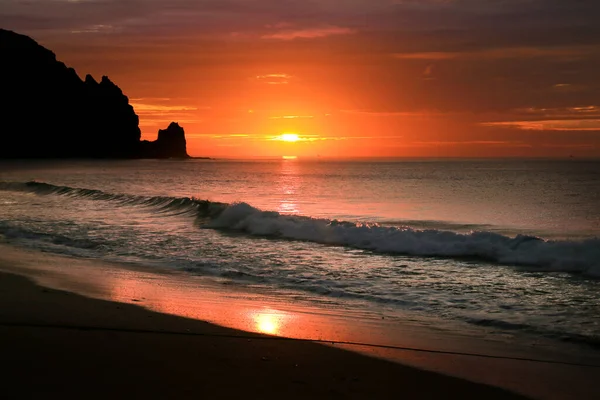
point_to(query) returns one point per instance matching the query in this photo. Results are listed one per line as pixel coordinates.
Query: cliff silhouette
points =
(170, 144)
(50, 112)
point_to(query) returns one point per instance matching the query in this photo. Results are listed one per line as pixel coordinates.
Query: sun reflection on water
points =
(290, 182)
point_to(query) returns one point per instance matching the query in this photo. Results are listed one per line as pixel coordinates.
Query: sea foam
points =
(570, 256)
(528, 251)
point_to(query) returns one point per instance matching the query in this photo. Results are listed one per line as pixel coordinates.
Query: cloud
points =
(162, 123)
(408, 114)
(99, 28)
(573, 112)
(491, 60)
(503, 143)
(301, 137)
(274, 79)
(293, 117)
(154, 108)
(309, 33)
(176, 16)
(158, 112)
(232, 136)
(550, 125)
(574, 118)
(563, 52)
(582, 146)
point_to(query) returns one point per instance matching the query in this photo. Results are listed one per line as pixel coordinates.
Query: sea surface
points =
(511, 245)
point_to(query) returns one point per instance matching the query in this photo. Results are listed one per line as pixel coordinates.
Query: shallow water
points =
(509, 245)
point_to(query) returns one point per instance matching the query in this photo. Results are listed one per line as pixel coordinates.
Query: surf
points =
(533, 252)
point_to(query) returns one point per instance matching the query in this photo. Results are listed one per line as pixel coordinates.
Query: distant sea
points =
(513, 245)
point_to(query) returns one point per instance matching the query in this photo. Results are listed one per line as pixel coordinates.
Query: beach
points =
(125, 355)
(60, 343)
(376, 279)
(267, 199)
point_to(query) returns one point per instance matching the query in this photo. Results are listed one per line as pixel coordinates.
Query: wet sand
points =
(55, 343)
(76, 328)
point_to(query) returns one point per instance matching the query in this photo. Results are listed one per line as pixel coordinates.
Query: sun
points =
(289, 137)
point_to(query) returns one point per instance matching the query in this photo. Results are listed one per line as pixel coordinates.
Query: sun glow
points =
(267, 323)
(288, 137)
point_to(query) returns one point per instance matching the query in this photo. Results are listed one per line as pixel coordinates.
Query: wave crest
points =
(528, 251)
(570, 256)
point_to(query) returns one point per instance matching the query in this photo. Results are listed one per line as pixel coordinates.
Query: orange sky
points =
(353, 78)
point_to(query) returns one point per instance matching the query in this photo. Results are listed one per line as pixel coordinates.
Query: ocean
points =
(510, 245)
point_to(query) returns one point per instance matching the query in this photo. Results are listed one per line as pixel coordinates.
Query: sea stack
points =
(170, 144)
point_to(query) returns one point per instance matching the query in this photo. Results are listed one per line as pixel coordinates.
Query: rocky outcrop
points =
(170, 144)
(49, 112)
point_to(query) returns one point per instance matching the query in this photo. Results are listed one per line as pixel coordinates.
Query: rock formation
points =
(49, 112)
(170, 144)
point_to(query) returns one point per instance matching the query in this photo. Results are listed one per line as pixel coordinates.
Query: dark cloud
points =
(170, 16)
(385, 55)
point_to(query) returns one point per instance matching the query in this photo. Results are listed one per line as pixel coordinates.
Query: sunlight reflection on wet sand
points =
(247, 311)
(225, 305)
(228, 305)
(217, 302)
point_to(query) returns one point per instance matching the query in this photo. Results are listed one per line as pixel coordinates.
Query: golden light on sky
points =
(415, 79)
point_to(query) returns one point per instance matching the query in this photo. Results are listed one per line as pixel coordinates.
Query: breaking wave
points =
(526, 251)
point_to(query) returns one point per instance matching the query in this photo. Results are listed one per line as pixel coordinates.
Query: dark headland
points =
(50, 112)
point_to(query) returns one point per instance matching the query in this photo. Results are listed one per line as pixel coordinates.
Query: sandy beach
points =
(300, 200)
(127, 353)
(60, 343)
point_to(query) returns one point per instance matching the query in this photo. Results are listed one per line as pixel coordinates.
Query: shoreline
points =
(139, 358)
(169, 296)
